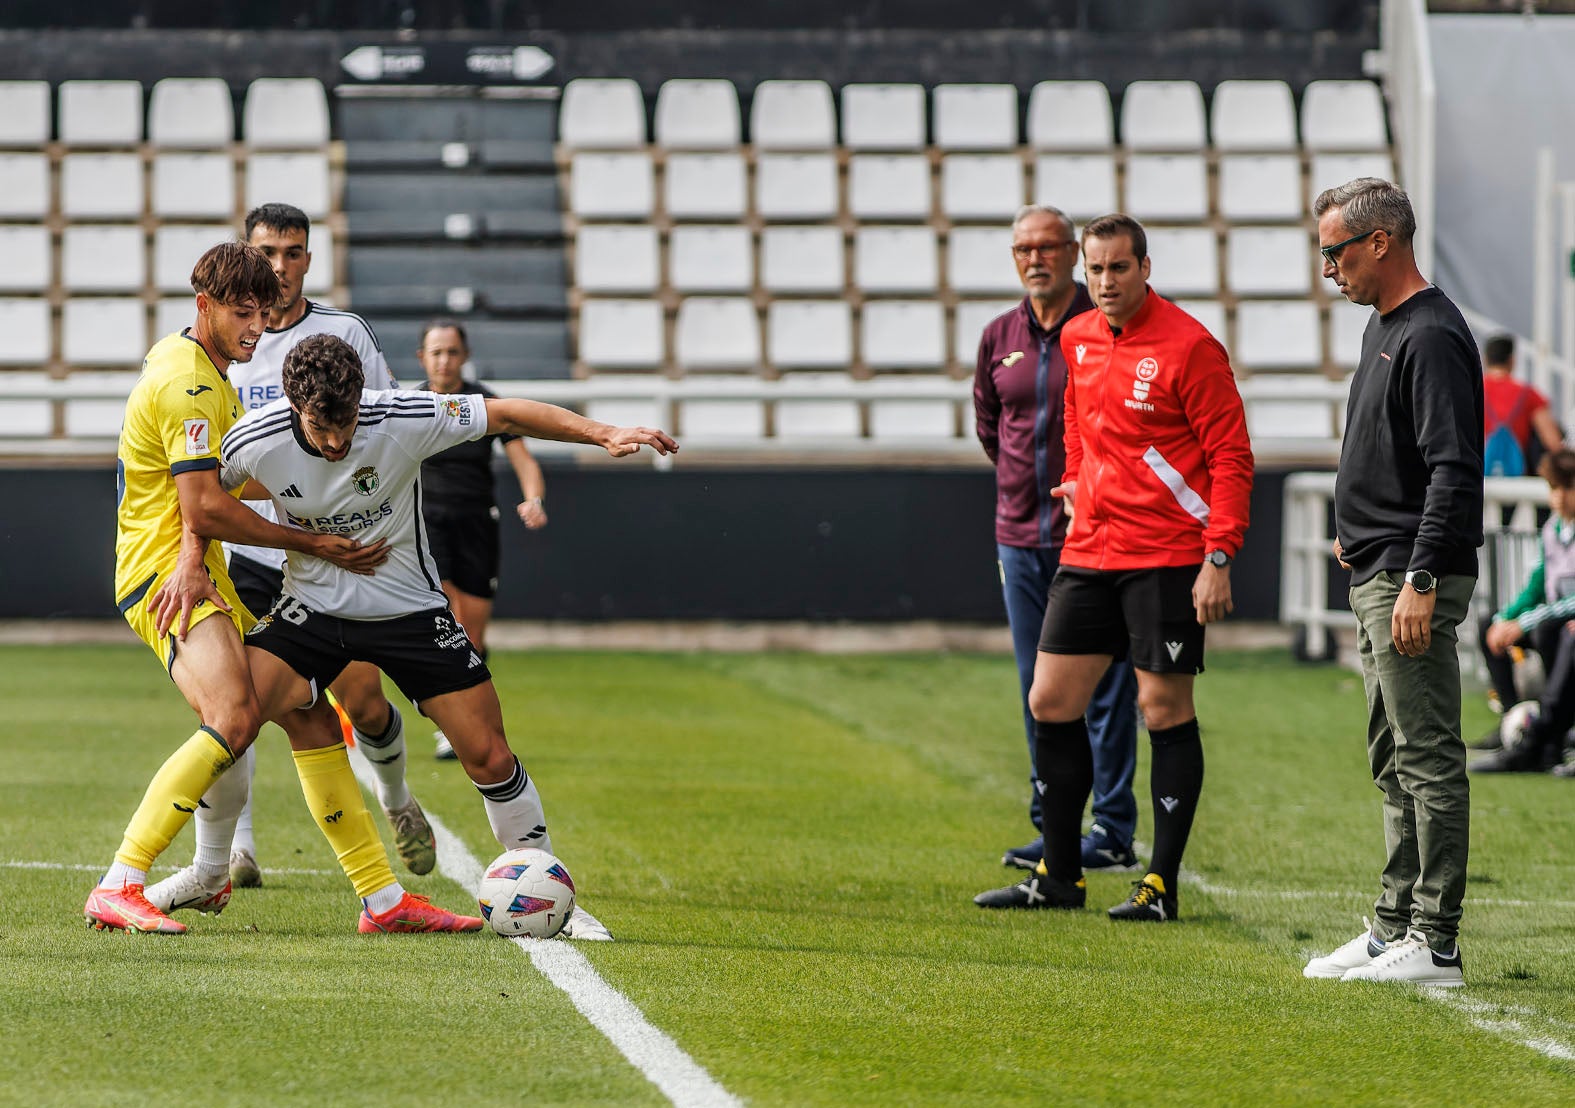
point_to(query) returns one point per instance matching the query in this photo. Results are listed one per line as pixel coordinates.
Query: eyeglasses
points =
(1028, 250)
(1331, 254)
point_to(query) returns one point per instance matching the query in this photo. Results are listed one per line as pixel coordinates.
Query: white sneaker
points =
(187, 890)
(445, 751)
(244, 872)
(585, 927)
(1354, 954)
(1410, 961)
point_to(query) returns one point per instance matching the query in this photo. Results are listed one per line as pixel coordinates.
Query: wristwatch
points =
(1217, 558)
(1420, 580)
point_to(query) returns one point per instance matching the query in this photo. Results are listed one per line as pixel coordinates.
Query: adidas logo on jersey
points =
(292, 491)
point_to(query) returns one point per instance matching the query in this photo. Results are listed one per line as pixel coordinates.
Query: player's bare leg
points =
(380, 736)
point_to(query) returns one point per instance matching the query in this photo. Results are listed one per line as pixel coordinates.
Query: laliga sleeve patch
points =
(197, 437)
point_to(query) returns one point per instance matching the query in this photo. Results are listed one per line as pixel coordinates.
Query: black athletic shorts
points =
(465, 547)
(1144, 614)
(258, 586)
(426, 654)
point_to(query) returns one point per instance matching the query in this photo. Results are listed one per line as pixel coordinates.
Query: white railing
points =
(1408, 83)
(1307, 557)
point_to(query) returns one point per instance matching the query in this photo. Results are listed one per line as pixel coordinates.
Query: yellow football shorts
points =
(144, 621)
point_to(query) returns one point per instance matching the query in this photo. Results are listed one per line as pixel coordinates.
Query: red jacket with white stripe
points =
(1156, 441)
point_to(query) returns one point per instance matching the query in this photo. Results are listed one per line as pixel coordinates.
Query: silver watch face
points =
(1219, 558)
(1421, 580)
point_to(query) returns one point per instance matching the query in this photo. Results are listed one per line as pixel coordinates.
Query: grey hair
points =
(1370, 204)
(1029, 210)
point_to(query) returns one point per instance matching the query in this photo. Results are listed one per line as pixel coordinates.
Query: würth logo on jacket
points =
(1145, 372)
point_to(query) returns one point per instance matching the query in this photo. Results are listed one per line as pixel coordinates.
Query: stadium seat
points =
(802, 260)
(697, 114)
(1329, 170)
(629, 411)
(711, 259)
(101, 186)
(1163, 115)
(1268, 261)
(24, 331)
(1278, 334)
(705, 186)
(903, 334)
(621, 334)
(103, 259)
(883, 117)
(1255, 187)
(25, 419)
(1253, 115)
(1290, 417)
(191, 113)
(176, 250)
(1081, 185)
(978, 187)
(796, 186)
(979, 261)
(968, 323)
(285, 113)
(24, 186)
(28, 258)
(323, 275)
(171, 315)
(1347, 324)
(1070, 115)
(617, 258)
(104, 330)
(805, 418)
(717, 332)
(809, 334)
(895, 418)
(793, 115)
(975, 117)
(1343, 115)
(1186, 262)
(611, 186)
(298, 178)
(889, 186)
(1210, 313)
(721, 420)
(895, 259)
(188, 185)
(99, 418)
(24, 114)
(1167, 187)
(601, 113)
(100, 113)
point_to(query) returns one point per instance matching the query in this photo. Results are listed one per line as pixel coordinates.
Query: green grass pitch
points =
(786, 848)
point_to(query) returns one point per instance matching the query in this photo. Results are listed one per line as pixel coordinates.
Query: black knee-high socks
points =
(1066, 777)
(1175, 781)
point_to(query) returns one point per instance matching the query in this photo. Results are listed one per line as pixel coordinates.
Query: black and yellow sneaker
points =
(1037, 890)
(1149, 901)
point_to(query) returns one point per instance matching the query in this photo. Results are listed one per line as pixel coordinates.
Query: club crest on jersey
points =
(365, 480)
(458, 410)
(1146, 371)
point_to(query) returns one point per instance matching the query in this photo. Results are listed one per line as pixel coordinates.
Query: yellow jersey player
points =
(171, 585)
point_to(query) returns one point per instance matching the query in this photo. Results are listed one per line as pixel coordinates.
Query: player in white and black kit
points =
(282, 232)
(338, 460)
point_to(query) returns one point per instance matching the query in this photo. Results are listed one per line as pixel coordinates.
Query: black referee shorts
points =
(1144, 614)
(465, 547)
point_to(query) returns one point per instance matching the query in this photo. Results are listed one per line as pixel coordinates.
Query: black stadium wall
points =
(629, 542)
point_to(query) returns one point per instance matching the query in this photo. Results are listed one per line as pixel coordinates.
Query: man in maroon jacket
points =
(1018, 391)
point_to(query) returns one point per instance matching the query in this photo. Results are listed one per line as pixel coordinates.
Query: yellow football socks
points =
(172, 797)
(334, 797)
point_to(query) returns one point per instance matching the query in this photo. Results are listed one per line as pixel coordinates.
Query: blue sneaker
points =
(1026, 856)
(1102, 852)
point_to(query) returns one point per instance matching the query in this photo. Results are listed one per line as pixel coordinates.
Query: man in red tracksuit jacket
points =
(1159, 478)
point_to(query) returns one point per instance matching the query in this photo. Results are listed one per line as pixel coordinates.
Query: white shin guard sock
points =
(514, 810)
(215, 821)
(246, 764)
(385, 753)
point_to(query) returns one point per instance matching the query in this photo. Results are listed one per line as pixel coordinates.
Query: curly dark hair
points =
(233, 273)
(323, 378)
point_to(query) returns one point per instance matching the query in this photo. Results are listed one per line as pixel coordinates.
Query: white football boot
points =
(585, 927)
(187, 890)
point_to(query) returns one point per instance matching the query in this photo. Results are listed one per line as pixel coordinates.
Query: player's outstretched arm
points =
(515, 416)
(212, 513)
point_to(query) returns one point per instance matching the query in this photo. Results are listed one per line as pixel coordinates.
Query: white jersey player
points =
(340, 460)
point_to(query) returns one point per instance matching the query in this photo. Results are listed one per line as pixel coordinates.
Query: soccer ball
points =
(1515, 728)
(526, 892)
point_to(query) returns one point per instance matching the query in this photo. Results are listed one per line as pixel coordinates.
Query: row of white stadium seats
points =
(116, 258)
(608, 113)
(111, 185)
(724, 333)
(902, 187)
(882, 260)
(286, 113)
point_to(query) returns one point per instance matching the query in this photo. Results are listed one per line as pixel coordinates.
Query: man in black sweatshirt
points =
(1408, 521)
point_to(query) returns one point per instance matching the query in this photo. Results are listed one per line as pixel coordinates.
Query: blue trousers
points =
(1026, 572)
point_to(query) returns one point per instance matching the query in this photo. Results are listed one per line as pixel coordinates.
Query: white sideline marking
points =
(163, 868)
(660, 1060)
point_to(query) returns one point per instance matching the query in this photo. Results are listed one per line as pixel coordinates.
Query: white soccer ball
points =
(1515, 728)
(526, 892)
